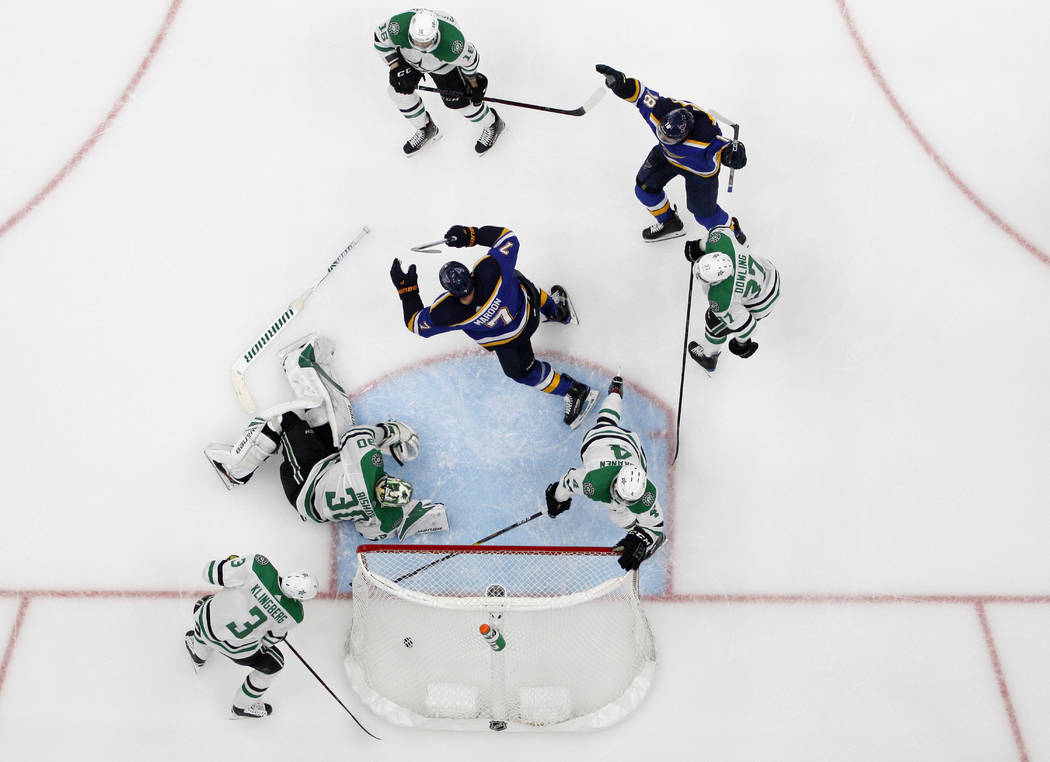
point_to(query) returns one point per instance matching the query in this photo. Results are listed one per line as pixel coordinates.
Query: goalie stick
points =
(240, 367)
(579, 111)
(736, 136)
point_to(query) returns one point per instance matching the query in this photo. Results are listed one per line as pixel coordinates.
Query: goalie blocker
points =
(322, 480)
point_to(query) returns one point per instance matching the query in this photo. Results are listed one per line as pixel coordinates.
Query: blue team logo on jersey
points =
(491, 446)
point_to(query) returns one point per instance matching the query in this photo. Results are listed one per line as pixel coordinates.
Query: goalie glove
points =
(635, 548)
(555, 506)
(399, 441)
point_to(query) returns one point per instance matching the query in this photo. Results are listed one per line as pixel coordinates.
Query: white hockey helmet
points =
(392, 492)
(714, 267)
(423, 31)
(629, 484)
(300, 585)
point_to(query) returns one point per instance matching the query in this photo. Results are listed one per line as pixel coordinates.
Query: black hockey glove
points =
(615, 80)
(693, 251)
(734, 156)
(405, 283)
(635, 545)
(459, 236)
(743, 348)
(555, 506)
(476, 94)
(404, 78)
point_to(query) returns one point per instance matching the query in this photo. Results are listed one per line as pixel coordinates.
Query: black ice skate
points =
(428, 133)
(564, 312)
(616, 386)
(579, 401)
(660, 231)
(490, 134)
(198, 662)
(707, 362)
(258, 709)
(743, 348)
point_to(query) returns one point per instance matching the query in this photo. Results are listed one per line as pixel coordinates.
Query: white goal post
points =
(577, 649)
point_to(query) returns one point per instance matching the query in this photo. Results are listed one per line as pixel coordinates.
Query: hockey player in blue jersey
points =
(690, 144)
(499, 308)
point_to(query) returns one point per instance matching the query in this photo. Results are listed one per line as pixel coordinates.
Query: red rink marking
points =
(97, 133)
(1004, 691)
(925, 144)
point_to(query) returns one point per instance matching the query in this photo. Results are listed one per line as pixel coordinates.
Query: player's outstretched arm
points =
(622, 86)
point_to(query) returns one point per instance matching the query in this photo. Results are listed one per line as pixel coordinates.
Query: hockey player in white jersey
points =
(246, 620)
(333, 469)
(741, 289)
(418, 42)
(614, 473)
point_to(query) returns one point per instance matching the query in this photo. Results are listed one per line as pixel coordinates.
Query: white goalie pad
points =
(400, 441)
(307, 366)
(424, 517)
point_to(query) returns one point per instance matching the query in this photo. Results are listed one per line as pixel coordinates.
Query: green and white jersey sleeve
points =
(453, 50)
(606, 449)
(752, 284)
(250, 611)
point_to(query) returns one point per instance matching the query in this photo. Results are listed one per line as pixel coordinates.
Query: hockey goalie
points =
(323, 480)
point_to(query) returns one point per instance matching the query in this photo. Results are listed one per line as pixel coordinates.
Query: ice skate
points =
(616, 386)
(579, 401)
(490, 134)
(428, 133)
(211, 452)
(198, 662)
(660, 231)
(743, 349)
(707, 362)
(564, 312)
(258, 709)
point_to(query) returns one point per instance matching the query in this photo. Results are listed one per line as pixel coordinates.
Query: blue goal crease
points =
(490, 447)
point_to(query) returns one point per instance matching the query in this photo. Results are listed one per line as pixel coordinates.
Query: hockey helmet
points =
(714, 267)
(300, 585)
(456, 279)
(675, 126)
(392, 492)
(423, 31)
(629, 484)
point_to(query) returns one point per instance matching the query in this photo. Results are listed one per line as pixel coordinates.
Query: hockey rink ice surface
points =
(857, 568)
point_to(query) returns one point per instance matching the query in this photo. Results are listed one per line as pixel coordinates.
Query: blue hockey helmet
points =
(456, 279)
(675, 126)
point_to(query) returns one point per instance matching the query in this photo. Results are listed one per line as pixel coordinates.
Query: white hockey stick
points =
(427, 248)
(736, 136)
(240, 367)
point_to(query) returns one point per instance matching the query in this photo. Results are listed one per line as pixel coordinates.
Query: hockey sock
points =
(713, 220)
(611, 409)
(412, 108)
(481, 115)
(547, 306)
(252, 689)
(656, 203)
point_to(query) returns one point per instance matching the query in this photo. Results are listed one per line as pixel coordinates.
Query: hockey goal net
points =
(576, 652)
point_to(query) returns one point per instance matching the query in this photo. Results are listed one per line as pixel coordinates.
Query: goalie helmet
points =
(423, 31)
(392, 492)
(675, 126)
(456, 279)
(714, 267)
(300, 585)
(629, 484)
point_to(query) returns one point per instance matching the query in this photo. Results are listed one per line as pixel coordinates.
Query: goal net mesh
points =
(578, 650)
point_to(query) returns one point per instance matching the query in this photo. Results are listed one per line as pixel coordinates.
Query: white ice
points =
(859, 510)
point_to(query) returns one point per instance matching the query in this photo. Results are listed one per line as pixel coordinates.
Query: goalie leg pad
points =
(424, 517)
(240, 461)
(307, 367)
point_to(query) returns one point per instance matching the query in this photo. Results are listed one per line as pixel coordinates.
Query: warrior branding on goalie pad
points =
(306, 365)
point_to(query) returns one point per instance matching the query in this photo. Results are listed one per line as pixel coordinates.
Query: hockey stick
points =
(435, 562)
(685, 351)
(736, 136)
(322, 682)
(240, 367)
(425, 248)
(580, 111)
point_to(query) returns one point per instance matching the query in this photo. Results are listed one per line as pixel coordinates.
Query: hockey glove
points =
(743, 348)
(734, 156)
(635, 546)
(555, 506)
(476, 93)
(615, 81)
(459, 236)
(693, 250)
(404, 282)
(404, 78)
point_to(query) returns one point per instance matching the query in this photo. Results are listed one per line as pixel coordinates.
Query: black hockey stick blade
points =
(427, 248)
(579, 111)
